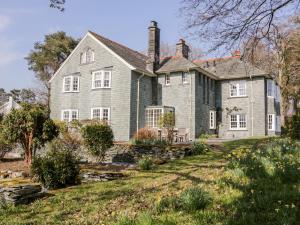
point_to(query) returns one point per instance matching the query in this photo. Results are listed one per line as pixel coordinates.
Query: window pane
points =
(105, 114)
(167, 79)
(242, 121)
(184, 78)
(96, 114)
(66, 116)
(74, 115)
(67, 86)
(242, 88)
(83, 58)
(233, 90)
(233, 121)
(89, 55)
(97, 79)
(75, 83)
(270, 88)
(106, 79)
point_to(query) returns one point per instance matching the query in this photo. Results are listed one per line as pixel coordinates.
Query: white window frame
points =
(152, 122)
(238, 121)
(84, 56)
(185, 78)
(102, 78)
(212, 119)
(167, 79)
(70, 111)
(238, 89)
(271, 122)
(101, 113)
(71, 84)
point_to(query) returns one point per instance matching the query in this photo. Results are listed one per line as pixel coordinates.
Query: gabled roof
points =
(132, 57)
(230, 68)
(173, 64)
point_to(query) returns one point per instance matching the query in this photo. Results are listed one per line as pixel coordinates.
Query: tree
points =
(58, 4)
(167, 121)
(30, 127)
(229, 23)
(47, 57)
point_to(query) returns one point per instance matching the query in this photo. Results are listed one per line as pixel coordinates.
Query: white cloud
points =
(4, 22)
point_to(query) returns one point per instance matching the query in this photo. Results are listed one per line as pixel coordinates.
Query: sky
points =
(22, 23)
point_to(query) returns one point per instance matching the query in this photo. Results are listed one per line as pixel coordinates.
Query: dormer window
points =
(87, 56)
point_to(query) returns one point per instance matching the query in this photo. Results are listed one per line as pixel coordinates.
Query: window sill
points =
(70, 91)
(84, 64)
(244, 96)
(238, 129)
(101, 88)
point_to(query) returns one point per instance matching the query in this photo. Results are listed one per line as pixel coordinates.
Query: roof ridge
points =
(214, 59)
(141, 54)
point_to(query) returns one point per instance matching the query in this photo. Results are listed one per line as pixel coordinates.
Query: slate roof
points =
(170, 64)
(134, 58)
(230, 68)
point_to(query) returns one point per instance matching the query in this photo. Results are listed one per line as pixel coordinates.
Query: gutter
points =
(138, 103)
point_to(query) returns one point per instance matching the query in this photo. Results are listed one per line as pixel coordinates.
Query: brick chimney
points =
(182, 50)
(153, 47)
(236, 53)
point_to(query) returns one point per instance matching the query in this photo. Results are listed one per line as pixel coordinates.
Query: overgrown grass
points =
(237, 196)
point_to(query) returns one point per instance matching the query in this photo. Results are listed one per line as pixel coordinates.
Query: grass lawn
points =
(106, 202)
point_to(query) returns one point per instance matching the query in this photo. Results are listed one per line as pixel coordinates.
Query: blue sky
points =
(22, 23)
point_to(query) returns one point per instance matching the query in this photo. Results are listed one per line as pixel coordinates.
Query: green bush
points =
(191, 199)
(194, 199)
(98, 138)
(199, 148)
(292, 128)
(58, 168)
(168, 203)
(145, 164)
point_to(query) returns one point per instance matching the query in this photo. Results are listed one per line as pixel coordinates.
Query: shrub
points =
(190, 200)
(145, 134)
(58, 168)
(199, 148)
(168, 203)
(145, 164)
(194, 198)
(98, 138)
(292, 128)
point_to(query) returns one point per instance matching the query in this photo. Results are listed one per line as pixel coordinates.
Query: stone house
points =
(102, 79)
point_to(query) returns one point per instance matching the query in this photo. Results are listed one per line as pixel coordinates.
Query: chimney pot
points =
(236, 53)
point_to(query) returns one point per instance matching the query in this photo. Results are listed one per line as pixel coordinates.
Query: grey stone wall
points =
(257, 95)
(181, 97)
